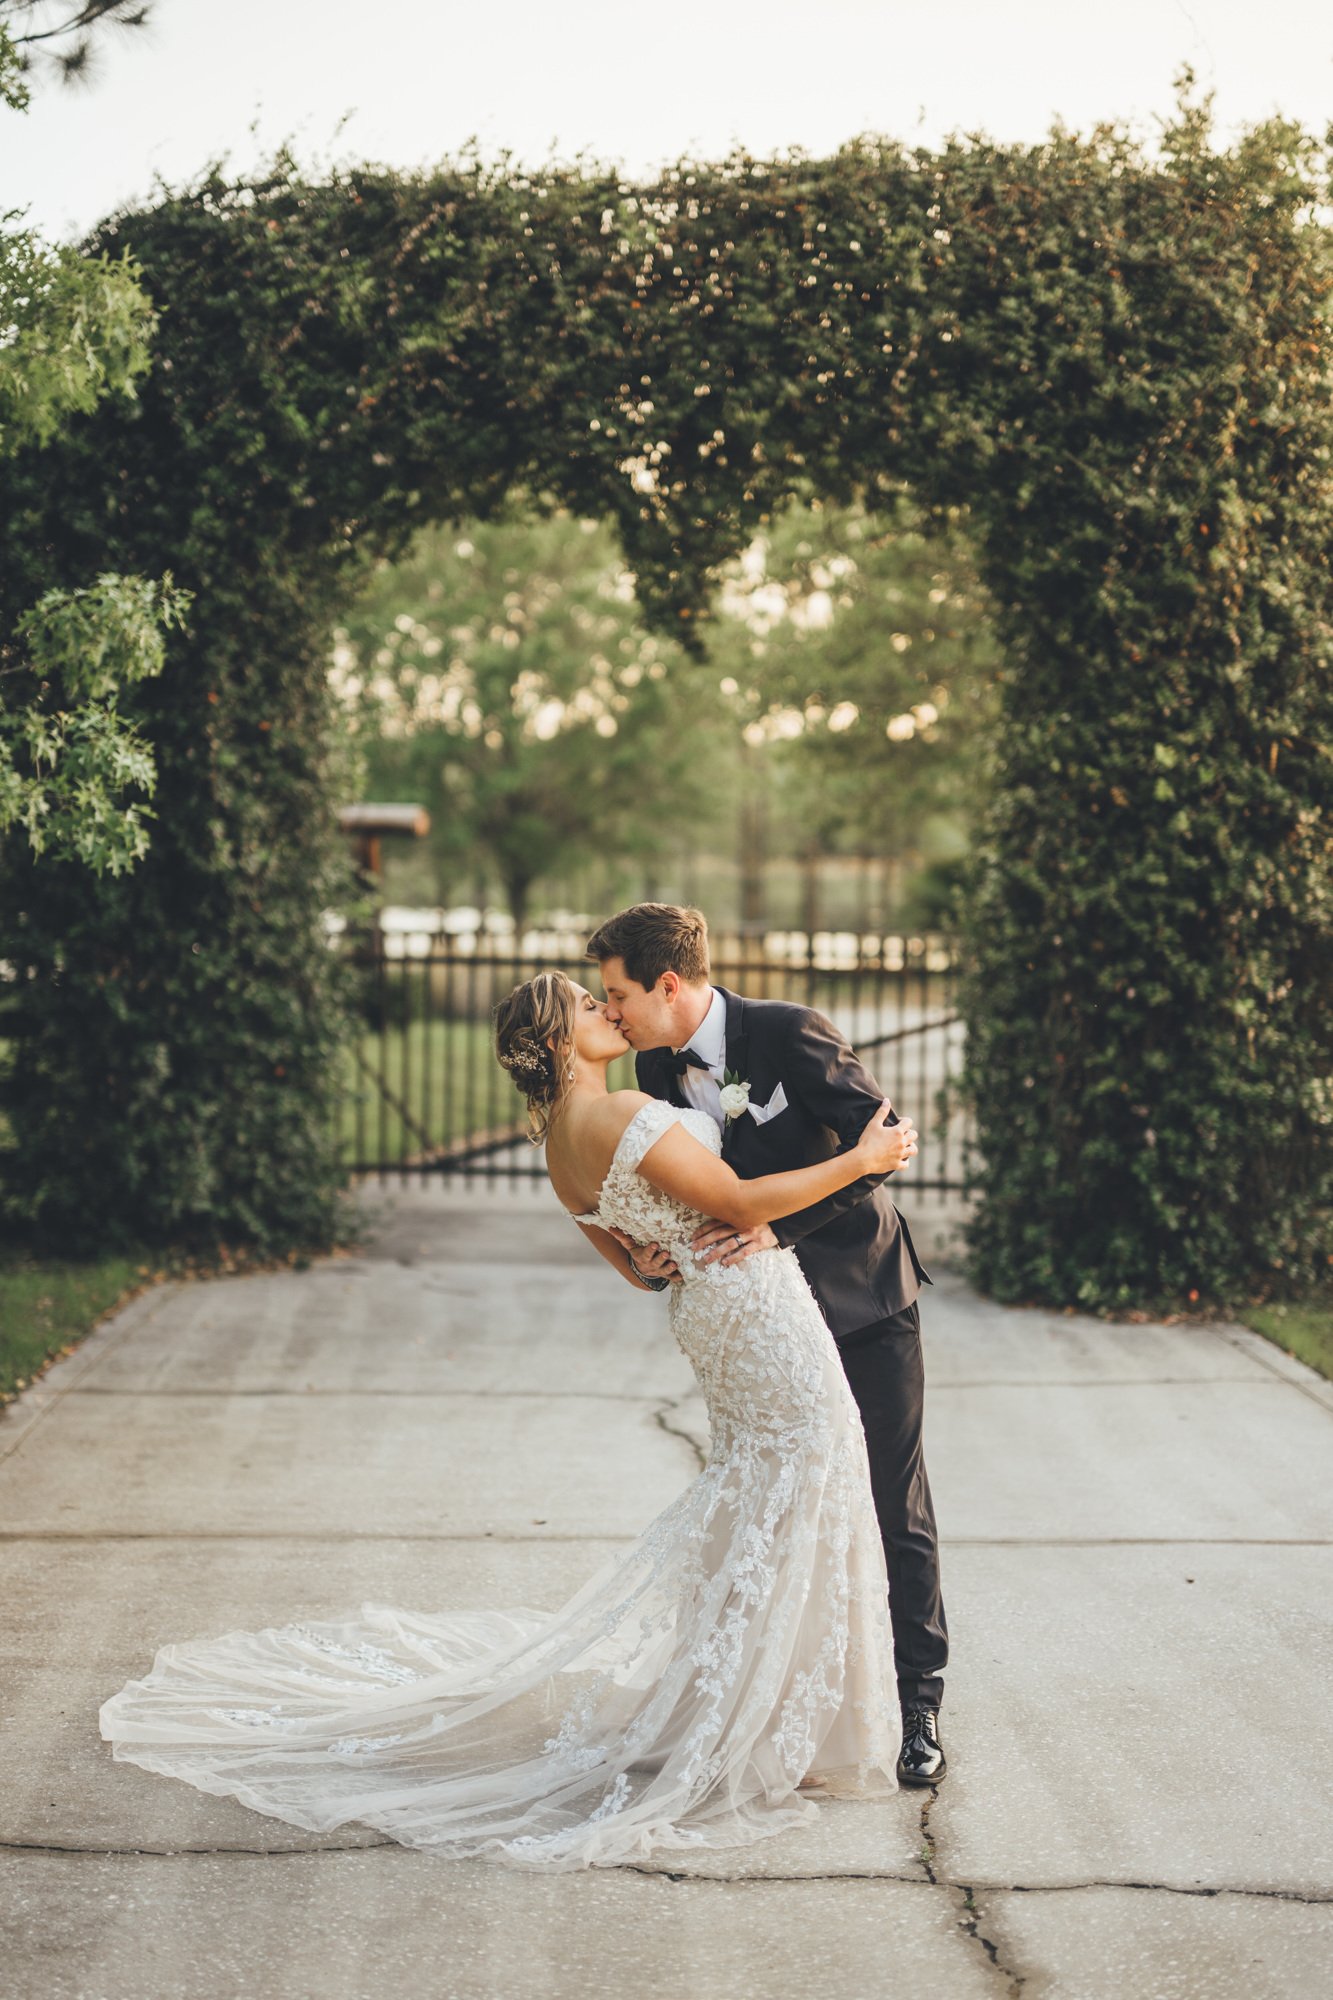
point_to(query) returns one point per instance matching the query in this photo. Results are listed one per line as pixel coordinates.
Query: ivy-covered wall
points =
(1118, 369)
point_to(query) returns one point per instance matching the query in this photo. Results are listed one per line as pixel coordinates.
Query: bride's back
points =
(581, 1143)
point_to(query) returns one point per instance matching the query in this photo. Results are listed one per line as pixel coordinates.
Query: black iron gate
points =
(423, 1093)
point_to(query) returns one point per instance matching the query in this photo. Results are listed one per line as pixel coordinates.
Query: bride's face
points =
(596, 1039)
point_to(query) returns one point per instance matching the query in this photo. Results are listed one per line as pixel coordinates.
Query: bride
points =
(737, 1655)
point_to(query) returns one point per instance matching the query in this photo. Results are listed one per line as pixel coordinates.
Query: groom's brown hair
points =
(653, 938)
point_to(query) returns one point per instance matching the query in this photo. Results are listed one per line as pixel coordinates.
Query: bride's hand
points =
(648, 1259)
(884, 1147)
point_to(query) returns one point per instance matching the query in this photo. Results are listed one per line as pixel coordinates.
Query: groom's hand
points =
(723, 1243)
(649, 1258)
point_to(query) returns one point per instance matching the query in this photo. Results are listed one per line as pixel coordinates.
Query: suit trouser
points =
(884, 1366)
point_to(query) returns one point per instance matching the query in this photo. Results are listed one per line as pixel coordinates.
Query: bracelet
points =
(653, 1284)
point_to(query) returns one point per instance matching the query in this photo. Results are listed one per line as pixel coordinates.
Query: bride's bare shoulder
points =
(595, 1122)
(615, 1110)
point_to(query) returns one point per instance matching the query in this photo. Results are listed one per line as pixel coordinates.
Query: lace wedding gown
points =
(677, 1701)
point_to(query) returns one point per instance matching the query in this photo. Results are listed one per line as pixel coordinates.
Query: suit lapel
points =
(738, 1035)
(737, 1049)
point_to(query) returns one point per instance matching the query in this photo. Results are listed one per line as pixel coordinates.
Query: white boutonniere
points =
(735, 1095)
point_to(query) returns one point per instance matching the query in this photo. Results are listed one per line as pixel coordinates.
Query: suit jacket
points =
(854, 1247)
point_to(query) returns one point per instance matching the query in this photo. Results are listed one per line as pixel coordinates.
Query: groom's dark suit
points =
(859, 1262)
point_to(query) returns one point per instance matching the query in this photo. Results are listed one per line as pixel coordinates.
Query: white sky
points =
(634, 85)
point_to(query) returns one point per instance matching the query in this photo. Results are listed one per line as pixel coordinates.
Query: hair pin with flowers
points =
(525, 1058)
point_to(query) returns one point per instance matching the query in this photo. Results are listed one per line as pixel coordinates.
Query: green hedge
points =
(1118, 368)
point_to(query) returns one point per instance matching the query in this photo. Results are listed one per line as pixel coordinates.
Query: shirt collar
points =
(710, 1037)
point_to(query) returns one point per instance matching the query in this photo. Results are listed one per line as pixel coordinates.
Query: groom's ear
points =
(669, 984)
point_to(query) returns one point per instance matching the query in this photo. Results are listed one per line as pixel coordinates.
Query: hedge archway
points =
(1119, 367)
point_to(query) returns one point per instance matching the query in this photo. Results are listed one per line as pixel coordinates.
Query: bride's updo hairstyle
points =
(534, 1041)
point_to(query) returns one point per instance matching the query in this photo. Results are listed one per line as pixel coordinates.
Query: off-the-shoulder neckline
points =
(594, 1214)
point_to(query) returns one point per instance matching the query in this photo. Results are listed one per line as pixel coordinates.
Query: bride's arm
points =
(678, 1165)
(616, 1255)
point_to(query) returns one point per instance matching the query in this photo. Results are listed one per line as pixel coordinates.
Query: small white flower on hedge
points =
(735, 1096)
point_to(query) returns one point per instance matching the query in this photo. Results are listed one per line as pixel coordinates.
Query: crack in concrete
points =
(338, 1537)
(928, 1837)
(969, 1890)
(667, 1409)
(969, 1915)
(366, 1389)
(1160, 1889)
(910, 1881)
(361, 1392)
(1098, 1382)
(929, 1878)
(505, 1535)
(170, 1853)
(969, 1923)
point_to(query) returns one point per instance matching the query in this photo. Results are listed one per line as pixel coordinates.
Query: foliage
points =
(1115, 369)
(13, 86)
(1150, 1042)
(505, 681)
(859, 666)
(76, 329)
(60, 36)
(64, 771)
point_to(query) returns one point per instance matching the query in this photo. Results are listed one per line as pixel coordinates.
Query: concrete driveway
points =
(1137, 1525)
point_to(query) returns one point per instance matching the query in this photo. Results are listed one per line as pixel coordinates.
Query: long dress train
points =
(742, 1646)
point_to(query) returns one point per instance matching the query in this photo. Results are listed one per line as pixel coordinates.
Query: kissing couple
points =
(777, 1634)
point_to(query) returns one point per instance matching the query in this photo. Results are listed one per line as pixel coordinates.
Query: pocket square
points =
(761, 1113)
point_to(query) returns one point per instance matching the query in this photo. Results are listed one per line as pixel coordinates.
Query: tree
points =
(859, 664)
(59, 35)
(848, 675)
(77, 329)
(505, 679)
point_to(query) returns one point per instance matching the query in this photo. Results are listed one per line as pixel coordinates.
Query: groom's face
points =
(648, 1018)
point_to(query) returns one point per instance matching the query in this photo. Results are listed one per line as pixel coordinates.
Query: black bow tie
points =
(687, 1059)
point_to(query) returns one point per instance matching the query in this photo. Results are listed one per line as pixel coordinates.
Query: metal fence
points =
(424, 1095)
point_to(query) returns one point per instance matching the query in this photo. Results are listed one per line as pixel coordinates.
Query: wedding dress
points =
(677, 1701)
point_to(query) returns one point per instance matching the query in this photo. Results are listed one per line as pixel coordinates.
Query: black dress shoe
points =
(921, 1760)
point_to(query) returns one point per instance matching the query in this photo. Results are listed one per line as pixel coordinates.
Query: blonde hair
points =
(528, 1021)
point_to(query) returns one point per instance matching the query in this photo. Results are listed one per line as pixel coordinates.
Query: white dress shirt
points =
(703, 1088)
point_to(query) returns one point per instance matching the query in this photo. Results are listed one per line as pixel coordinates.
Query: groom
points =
(803, 1096)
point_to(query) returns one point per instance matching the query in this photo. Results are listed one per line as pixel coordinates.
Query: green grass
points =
(1305, 1330)
(49, 1304)
(47, 1307)
(443, 1085)
(441, 1074)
